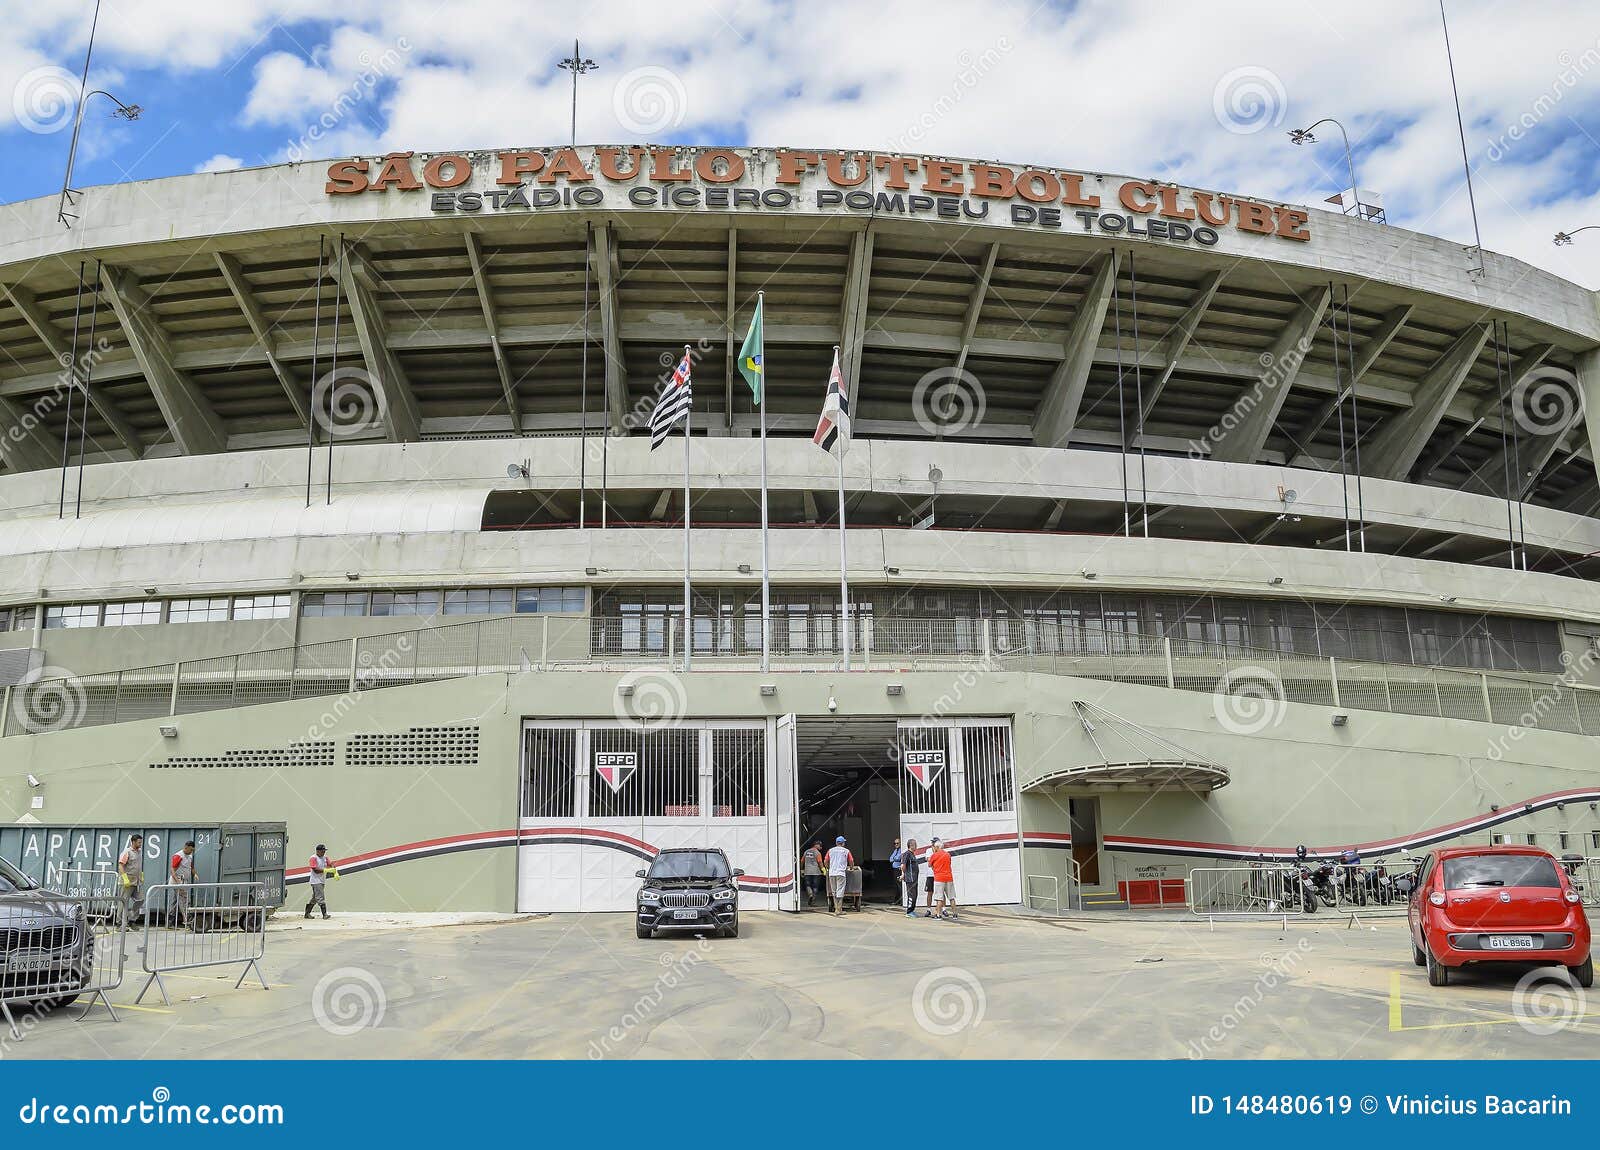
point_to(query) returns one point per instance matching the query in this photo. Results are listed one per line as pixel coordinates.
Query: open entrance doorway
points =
(847, 783)
(872, 779)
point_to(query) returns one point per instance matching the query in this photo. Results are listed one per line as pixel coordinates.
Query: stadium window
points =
(480, 601)
(1564, 841)
(334, 603)
(1497, 840)
(134, 614)
(549, 600)
(405, 602)
(71, 615)
(1533, 840)
(261, 607)
(198, 610)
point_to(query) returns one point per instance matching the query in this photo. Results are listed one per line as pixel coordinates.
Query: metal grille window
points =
(405, 602)
(550, 758)
(198, 610)
(480, 601)
(986, 758)
(133, 614)
(333, 603)
(925, 771)
(738, 772)
(261, 607)
(68, 616)
(21, 619)
(662, 782)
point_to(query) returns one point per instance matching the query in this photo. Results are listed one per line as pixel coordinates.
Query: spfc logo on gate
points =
(924, 766)
(615, 767)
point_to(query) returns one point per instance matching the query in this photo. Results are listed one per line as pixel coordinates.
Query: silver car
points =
(46, 943)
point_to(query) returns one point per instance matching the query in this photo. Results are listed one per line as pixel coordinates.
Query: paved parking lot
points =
(874, 984)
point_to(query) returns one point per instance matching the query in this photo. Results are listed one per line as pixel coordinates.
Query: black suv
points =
(690, 889)
(46, 942)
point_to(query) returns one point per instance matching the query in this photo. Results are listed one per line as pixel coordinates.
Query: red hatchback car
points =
(1497, 904)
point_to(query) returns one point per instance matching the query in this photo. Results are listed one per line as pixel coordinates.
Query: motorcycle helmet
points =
(1300, 852)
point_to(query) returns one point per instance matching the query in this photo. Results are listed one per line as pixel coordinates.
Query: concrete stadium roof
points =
(473, 324)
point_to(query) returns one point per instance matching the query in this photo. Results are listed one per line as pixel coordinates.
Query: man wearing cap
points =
(320, 869)
(840, 861)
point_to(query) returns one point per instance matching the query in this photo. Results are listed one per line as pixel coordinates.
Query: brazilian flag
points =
(750, 356)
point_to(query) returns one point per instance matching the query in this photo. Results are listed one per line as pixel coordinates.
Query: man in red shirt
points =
(944, 882)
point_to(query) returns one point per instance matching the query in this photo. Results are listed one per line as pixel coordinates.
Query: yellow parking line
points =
(146, 1009)
(1396, 1024)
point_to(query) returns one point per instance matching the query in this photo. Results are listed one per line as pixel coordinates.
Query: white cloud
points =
(221, 162)
(1125, 86)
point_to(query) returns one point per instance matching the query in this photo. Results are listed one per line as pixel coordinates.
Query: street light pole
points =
(1304, 136)
(577, 65)
(126, 111)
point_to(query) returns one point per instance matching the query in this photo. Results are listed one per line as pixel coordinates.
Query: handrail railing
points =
(508, 644)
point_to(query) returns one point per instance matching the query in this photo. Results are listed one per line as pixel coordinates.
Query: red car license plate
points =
(1508, 941)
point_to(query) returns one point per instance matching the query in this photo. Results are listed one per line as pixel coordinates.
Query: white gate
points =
(601, 797)
(786, 801)
(958, 783)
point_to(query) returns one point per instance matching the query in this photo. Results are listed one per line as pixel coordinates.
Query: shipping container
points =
(83, 860)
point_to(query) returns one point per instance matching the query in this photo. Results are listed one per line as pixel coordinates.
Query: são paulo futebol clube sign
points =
(787, 180)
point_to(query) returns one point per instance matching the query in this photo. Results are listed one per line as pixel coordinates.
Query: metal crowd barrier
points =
(1053, 898)
(1586, 877)
(193, 925)
(56, 948)
(1274, 890)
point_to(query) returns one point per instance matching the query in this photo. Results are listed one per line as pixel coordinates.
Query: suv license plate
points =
(1509, 941)
(24, 963)
(686, 914)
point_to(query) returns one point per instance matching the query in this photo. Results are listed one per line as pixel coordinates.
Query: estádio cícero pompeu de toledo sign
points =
(782, 179)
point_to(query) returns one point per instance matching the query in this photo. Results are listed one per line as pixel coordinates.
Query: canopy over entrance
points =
(1131, 758)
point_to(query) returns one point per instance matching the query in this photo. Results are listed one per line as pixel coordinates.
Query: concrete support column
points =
(1588, 372)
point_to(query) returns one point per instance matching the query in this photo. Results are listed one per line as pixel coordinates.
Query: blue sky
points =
(1126, 87)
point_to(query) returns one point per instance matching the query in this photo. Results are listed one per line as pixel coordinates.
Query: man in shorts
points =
(944, 881)
(840, 861)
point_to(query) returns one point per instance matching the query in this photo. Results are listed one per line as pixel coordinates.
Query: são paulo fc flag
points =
(833, 429)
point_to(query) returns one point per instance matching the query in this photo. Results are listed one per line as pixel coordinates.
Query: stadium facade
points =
(1181, 526)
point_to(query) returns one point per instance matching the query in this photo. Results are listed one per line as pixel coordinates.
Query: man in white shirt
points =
(319, 868)
(840, 861)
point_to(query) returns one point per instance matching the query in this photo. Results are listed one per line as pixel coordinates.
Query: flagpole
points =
(844, 574)
(766, 569)
(688, 603)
